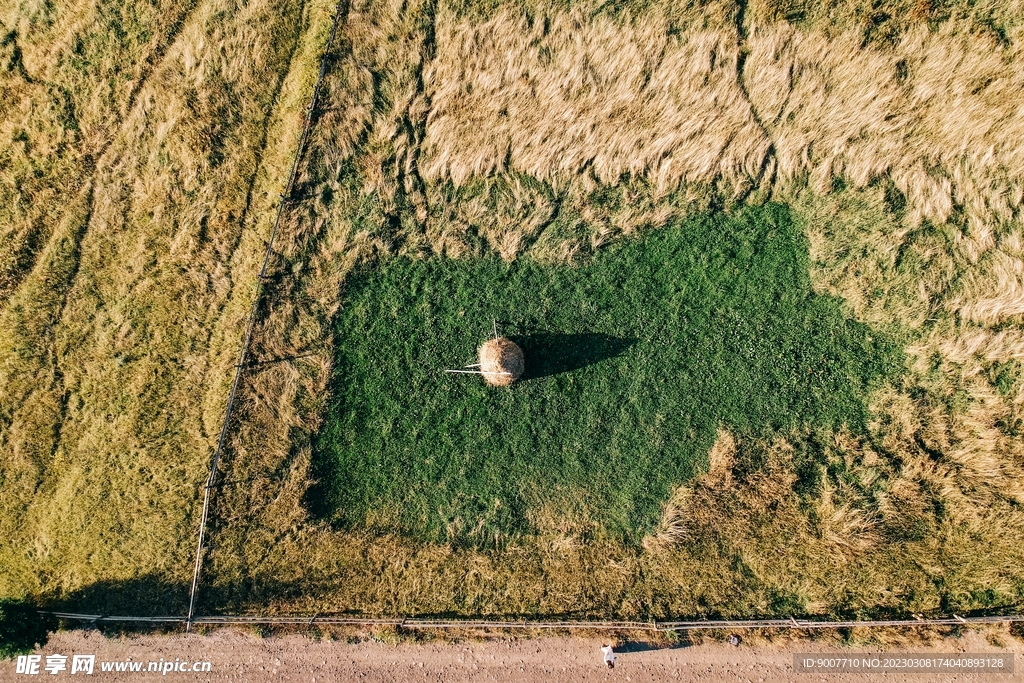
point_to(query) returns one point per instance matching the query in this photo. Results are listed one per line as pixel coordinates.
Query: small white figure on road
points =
(609, 656)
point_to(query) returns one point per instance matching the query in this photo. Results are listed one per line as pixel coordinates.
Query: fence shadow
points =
(153, 595)
(549, 354)
(637, 646)
(145, 595)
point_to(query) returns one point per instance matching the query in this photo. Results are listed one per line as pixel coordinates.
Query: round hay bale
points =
(501, 362)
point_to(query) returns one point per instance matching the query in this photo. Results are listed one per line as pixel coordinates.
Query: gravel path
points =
(235, 656)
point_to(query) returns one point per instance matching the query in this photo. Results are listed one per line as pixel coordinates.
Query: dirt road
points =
(245, 658)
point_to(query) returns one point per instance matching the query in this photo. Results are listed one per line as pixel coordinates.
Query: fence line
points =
(651, 626)
(253, 312)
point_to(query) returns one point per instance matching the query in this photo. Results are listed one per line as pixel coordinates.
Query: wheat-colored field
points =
(536, 130)
(143, 151)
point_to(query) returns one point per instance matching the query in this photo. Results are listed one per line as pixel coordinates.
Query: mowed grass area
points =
(635, 359)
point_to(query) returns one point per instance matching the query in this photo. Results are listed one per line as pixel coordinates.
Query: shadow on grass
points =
(151, 595)
(636, 646)
(147, 595)
(549, 354)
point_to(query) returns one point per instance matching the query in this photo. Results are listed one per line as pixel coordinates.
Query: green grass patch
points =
(634, 359)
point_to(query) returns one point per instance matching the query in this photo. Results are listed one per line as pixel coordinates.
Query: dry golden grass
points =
(121, 332)
(557, 96)
(935, 114)
(72, 72)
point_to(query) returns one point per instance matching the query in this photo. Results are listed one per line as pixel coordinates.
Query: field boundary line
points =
(254, 312)
(652, 626)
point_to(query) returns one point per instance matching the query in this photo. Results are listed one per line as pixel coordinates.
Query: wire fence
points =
(254, 312)
(524, 624)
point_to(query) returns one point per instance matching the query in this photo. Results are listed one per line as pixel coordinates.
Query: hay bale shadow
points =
(549, 354)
